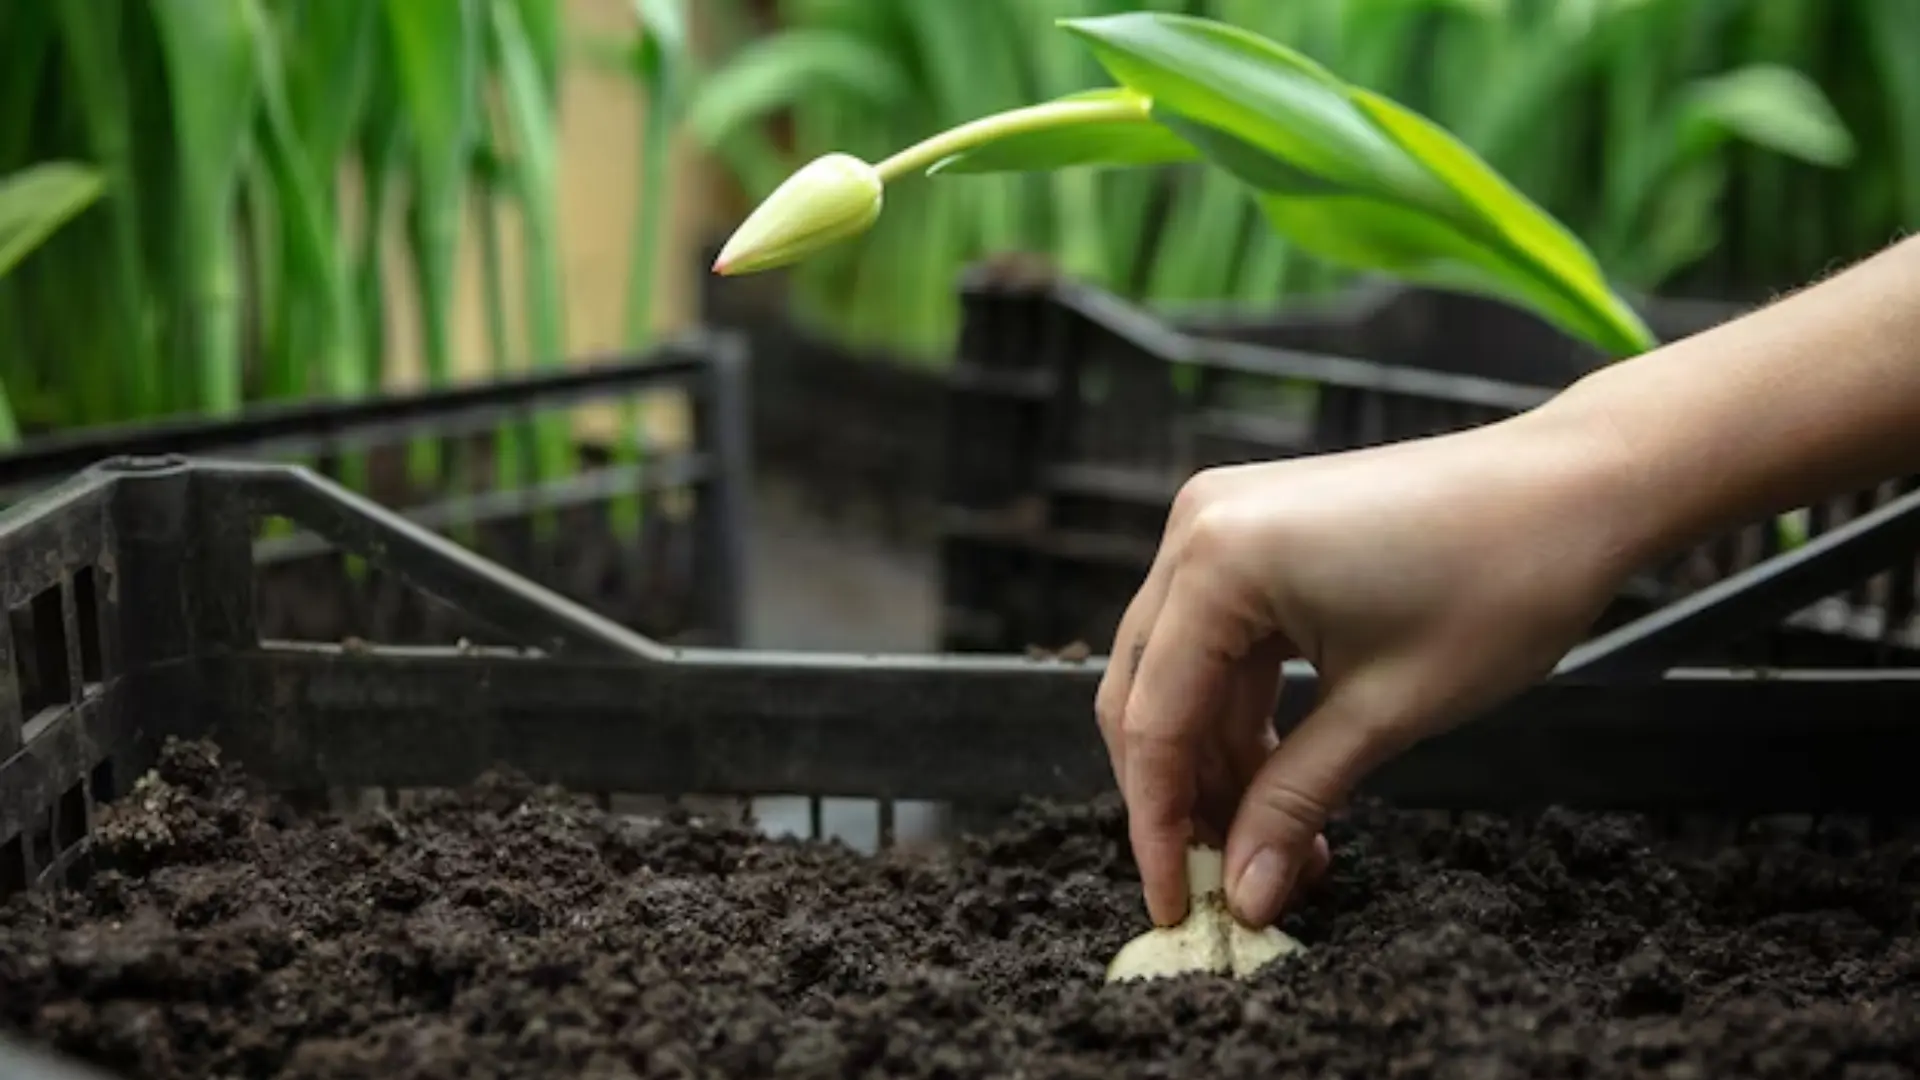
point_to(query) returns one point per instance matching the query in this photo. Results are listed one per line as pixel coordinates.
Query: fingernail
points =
(1256, 896)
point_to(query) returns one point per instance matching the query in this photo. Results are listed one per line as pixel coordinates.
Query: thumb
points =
(1273, 838)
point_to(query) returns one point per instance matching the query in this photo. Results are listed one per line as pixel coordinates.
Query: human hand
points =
(1424, 581)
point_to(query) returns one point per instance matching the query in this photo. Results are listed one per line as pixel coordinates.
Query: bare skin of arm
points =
(1427, 581)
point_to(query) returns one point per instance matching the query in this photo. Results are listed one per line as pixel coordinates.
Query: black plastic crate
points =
(1437, 330)
(859, 432)
(673, 567)
(142, 627)
(1074, 418)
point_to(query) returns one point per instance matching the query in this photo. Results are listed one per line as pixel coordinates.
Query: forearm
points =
(1809, 397)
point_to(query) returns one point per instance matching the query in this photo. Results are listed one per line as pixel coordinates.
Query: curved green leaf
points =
(665, 22)
(37, 200)
(1384, 237)
(1295, 132)
(777, 70)
(1539, 245)
(1769, 105)
(1259, 92)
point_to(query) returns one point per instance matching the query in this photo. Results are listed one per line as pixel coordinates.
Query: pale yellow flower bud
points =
(832, 198)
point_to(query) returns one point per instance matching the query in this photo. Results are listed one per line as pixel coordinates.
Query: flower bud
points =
(832, 198)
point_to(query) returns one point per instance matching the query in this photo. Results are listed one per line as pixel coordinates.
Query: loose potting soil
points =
(513, 931)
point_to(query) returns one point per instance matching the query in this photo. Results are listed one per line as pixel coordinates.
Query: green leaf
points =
(1769, 105)
(1257, 91)
(329, 74)
(540, 24)
(665, 21)
(436, 51)
(1357, 231)
(213, 79)
(37, 200)
(1681, 225)
(1891, 25)
(1419, 201)
(529, 115)
(1507, 219)
(778, 70)
(661, 57)
(325, 348)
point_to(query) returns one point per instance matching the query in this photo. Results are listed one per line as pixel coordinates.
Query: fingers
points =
(1276, 842)
(1182, 684)
(1129, 644)
(1136, 623)
(1160, 790)
(1235, 743)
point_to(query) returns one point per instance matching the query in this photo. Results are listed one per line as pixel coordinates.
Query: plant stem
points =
(1053, 114)
(655, 193)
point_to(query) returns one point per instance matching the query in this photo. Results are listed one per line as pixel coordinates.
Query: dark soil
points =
(510, 931)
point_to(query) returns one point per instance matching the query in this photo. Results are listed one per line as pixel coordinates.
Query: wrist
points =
(1590, 481)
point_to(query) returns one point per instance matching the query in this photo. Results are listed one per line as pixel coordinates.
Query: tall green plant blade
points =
(383, 150)
(329, 74)
(26, 44)
(271, 317)
(322, 327)
(36, 201)
(970, 71)
(660, 65)
(529, 113)
(509, 465)
(1071, 202)
(665, 22)
(540, 25)
(92, 33)
(1194, 259)
(436, 53)
(1679, 167)
(1895, 27)
(211, 75)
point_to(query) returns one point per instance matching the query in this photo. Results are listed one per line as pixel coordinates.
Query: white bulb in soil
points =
(1209, 941)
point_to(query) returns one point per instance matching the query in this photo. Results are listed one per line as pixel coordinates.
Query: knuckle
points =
(1198, 492)
(1138, 730)
(1209, 534)
(1291, 801)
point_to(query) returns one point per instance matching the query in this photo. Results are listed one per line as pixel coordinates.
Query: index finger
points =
(1181, 686)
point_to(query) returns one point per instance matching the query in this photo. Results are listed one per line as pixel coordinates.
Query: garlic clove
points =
(1210, 940)
(1249, 950)
(1166, 952)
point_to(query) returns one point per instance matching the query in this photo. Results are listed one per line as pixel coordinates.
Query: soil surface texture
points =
(514, 931)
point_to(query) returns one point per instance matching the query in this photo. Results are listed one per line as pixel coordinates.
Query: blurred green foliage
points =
(251, 155)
